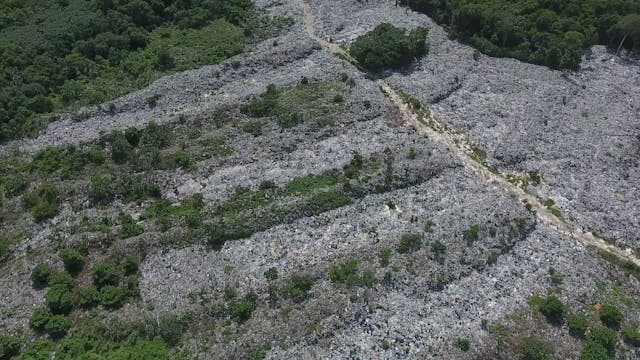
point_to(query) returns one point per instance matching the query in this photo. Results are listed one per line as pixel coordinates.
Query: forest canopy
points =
(545, 32)
(60, 54)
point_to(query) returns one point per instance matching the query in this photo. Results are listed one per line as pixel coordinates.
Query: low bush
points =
(606, 337)
(631, 336)
(409, 243)
(128, 227)
(43, 203)
(611, 316)
(298, 287)
(534, 349)
(463, 344)
(577, 325)
(130, 265)
(40, 275)
(171, 329)
(105, 274)
(348, 273)
(553, 309)
(112, 297)
(88, 297)
(438, 248)
(594, 351)
(9, 346)
(72, 260)
(59, 299)
(57, 326)
(61, 279)
(40, 318)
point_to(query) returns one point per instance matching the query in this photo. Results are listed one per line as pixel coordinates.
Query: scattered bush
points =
(271, 274)
(241, 310)
(577, 325)
(40, 275)
(130, 264)
(112, 297)
(72, 260)
(611, 316)
(9, 346)
(631, 336)
(121, 149)
(40, 318)
(438, 248)
(409, 243)
(57, 326)
(534, 349)
(298, 287)
(605, 337)
(88, 297)
(59, 299)
(389, 47)
(384, 256)
(129, 228)
(43, 203)
(14, 185)
(472, 234)
(553, 309)
(171, 330)
(61, 279)
(105, 274)
(348, 273)
(463, 344)
(594, 351)
(101, 190)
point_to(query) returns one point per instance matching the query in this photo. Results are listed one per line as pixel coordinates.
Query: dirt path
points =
(427, 124)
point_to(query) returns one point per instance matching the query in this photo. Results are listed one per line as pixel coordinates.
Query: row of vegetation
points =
(64, 54)
(546, 32)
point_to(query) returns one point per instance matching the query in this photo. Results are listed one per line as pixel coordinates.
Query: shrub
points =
(132, 287)
(384, 256)
(553, 309)
(253, 127)
(171, 330)
(439, 248)
(101, 190)
(9, 347)
(61, 279)
(594, 351)
(534, 349)
(463, 344)
(132, 135)
(88, 297)
(611, 316)
(59, 299)
(104, 274)
(577, 325)
(389, 47)
(298, 287)
(156, 135)
(348, 273)
(43, 203)
(241, 310)
(58, 325)
(121, 150)
(605, 337)
(14, 185)
(129, 228)
(40, 318)
(471, 234)
(112, 297)
(409, 243)
(631, 336)
(40, 275)
(72, 260)
(271, 274)
(182, 160)
(130, 264)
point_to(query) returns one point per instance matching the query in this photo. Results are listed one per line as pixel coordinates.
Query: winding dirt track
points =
(426, 123)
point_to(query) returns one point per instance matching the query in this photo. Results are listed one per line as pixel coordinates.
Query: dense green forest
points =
(63, 54)
(546, 32)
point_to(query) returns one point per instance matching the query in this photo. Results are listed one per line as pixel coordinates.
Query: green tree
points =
(72, 260)
(40, 275)
(59, 299)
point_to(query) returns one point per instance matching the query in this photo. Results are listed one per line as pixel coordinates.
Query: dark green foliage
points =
(9, 346)
(59, 299)
(241, 310)
(40, 275)
(438, 248)
(269, 105)
(14, 185)
(611, 316)
(112, 297)
(389, 47)
(171, 330)
(472, 234)
(121, 149)
(605, 337)
(577, 325)
(101, 191)
(553, 309)
(325, 201)
(128, 227)
(384, 256)
(62, 279)
(551, 33)
(5, 251)
(298, 287)
(409, 243)
(88, 297)
(594, 351)
(132, 287)
(105, 274)
(271, 274)
(182, 160)
(253, 127)
(62, 161)
(130, 264)
(43, 203)
(40, 318)
(72, 260)
(348, 273)
(58, 325)
(534, 349)
(631, 336)
(463, 344)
